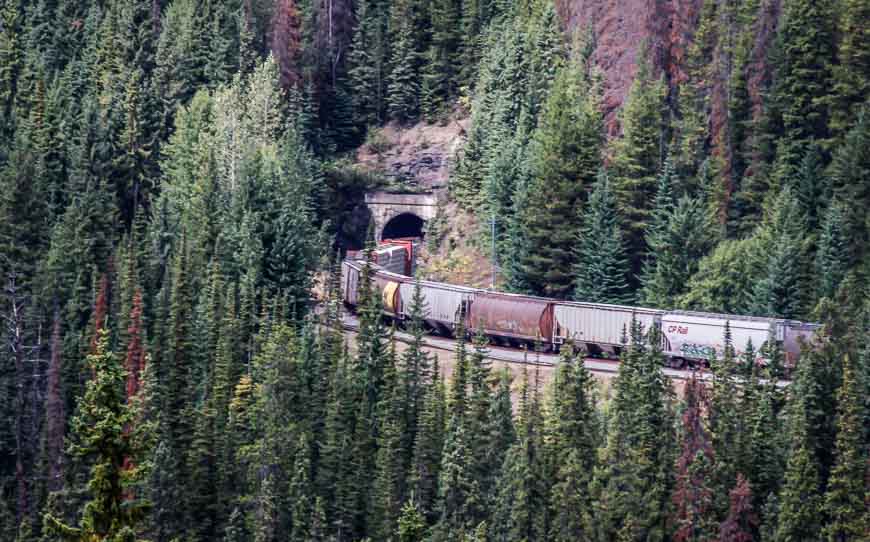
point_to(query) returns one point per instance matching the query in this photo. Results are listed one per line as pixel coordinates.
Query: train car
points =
(516, 318)
(392, 255)
(350, 281)
(393, 258)
(598, 326)
(795, 336)
(694, 338)
(445, 303)
(389, 286)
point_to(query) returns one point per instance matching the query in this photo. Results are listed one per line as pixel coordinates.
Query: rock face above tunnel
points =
(622, 28)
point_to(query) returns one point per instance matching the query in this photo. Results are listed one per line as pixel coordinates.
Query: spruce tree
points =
(741, 522)
(521, 496)
(833, 254)
(564, 158)
(694, 507)
(602, 265)
(99, 434)
(402, 84)
(845, 499)
(428, 446)
(366, 69)
(850, 171)
(676, 248)
(637, 158)
(572, 435)
(439, 70)
(851, 72)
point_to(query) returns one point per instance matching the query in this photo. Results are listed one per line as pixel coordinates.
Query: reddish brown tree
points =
(285, 41)
(692, 496)
(134, 363)
(55, 422)
(742, 520)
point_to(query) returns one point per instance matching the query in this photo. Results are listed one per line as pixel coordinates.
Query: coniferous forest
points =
(175, 179)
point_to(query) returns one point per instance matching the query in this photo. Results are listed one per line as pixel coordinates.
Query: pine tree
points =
(428, 446)
(571, 427)
(439, 71)
(98, 433)
(412, 524)
(834, 251)
(694, 508)
(851, 72)
(637, 158)
(782, 290)
(564, 155)
(480, 424)
(800, 512)
(601, 269)
(367, 71)
(844, 503)
(521, 495)
(676, 249)
(741, 522)
(459, 497)
(632, 486)
(804, 53)
(415, 373)
(849, 170)
(726, 432)
(402, 84)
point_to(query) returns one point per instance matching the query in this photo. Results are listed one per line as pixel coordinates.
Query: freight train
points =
(688, 339)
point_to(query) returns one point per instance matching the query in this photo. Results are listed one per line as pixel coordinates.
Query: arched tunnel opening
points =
(403, 225)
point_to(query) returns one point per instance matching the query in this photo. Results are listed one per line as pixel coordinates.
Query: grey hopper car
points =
(444, 303)
(599, 327)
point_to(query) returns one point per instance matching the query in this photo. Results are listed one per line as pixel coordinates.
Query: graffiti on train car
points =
(697, 350)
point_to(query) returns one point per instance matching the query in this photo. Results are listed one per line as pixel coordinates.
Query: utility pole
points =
(492, 281)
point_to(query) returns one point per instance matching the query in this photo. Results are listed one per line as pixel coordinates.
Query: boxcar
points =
(598, 326)
(393, 258)
(512, 316)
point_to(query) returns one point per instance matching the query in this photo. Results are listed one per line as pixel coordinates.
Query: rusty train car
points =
(688, 338)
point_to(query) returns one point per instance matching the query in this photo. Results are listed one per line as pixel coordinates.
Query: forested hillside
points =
(175, 173)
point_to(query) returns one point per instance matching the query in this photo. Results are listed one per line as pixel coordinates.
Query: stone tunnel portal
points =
(403, 225)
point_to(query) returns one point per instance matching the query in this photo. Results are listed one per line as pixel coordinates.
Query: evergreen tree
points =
(844, 503)
(428, 446)
(601, 269)
(851, 72)
(402, 84)
(366, 66)
(803, 71)
(676, 249)
(99, 434)
(833, 252)
(572, 434)
(631, 488)
(521, 495)
(412, 524)
(741, 522)
(439, 71)
(637, 157)
(850, 169)
(694, 509)
(565, 158)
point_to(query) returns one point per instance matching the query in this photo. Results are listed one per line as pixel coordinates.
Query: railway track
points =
(517, 356)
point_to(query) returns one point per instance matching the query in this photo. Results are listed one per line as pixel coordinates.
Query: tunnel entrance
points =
(403, 225)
